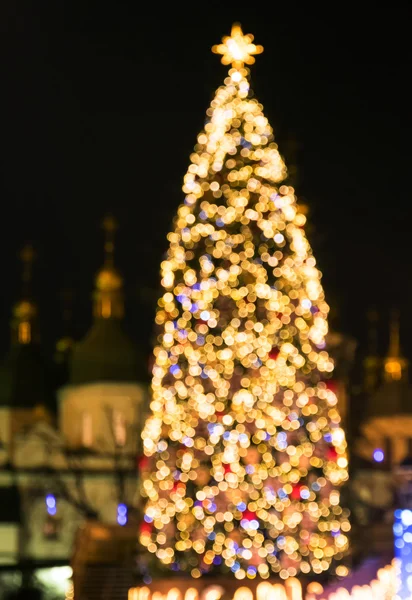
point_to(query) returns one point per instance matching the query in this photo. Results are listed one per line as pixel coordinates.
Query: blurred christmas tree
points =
(244, 445)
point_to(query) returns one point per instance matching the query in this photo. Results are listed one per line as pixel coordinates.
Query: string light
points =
(244, 436)
(51, 504)
(122, 514)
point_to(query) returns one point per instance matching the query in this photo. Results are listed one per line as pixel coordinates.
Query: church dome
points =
(24, 310)
(108, 280)
(25, 376)
(106, 354)
(391, 398)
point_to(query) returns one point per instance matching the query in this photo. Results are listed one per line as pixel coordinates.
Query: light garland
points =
(383, 587)
(244, 435)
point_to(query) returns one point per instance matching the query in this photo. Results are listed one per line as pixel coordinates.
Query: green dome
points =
(106, 354)
(25, 380)
(391, 398)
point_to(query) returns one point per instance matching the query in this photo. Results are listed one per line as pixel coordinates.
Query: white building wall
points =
(89, 414)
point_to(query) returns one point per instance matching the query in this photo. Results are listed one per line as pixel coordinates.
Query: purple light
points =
(122, 514)
(402, 530)
(378, 455)
(50, 501)
(51, 504)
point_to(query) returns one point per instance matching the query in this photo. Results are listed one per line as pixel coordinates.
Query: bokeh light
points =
(244, 438)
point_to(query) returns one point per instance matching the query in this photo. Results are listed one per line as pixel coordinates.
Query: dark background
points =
(101, 105)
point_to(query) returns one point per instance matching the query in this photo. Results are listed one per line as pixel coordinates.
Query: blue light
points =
(304, 494)
(122, 514)
(378, 455)
(402, 530)
(51, 504)
(252, 524)
(50, 501)
(245, 143)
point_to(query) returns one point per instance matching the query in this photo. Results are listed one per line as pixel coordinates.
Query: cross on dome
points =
(237, 49)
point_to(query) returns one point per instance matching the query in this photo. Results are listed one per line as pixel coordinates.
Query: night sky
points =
(101, 106)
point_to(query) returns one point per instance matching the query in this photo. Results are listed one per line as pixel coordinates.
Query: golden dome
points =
(24, 310)
(108, 280)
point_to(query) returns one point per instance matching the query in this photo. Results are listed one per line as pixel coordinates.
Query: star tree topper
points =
(237, 49)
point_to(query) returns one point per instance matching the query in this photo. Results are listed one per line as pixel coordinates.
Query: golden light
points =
(393, 367)
(384, 585)
(237, 49)
(244, 438)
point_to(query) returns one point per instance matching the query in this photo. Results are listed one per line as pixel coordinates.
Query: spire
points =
(395, 364)
(108, 294)
(371, 362)
(109, 226)
(25, 311)
(394, 346)
(65, 342)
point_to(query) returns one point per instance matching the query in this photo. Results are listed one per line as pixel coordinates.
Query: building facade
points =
(68, 455)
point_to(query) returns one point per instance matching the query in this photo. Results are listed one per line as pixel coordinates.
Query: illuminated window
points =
(119, 427)
(51, 527)
(87, 430)
(24, 333)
